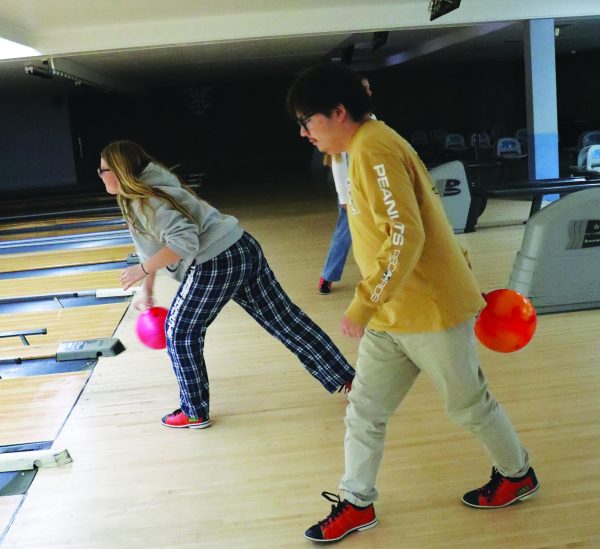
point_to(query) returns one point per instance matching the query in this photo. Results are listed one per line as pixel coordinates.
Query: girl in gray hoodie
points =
(215, 261)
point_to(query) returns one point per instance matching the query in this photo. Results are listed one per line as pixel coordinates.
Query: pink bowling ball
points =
(150, 327)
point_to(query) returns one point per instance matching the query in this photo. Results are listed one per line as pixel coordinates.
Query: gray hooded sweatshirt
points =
(209, 234)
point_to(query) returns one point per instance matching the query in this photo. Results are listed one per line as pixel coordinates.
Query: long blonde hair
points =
(127, 160)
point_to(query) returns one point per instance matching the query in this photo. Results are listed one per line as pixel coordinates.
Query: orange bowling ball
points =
(507, 323)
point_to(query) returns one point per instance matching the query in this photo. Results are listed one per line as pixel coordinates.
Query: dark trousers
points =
(242, 273)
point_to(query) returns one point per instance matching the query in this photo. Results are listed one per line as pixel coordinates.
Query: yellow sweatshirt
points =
(415, 276)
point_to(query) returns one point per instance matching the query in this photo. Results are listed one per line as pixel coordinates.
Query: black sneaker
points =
(501, 491)
(343, 519)
(324, 286)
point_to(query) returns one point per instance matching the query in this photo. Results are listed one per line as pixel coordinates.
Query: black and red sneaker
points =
(501, 491)
(324, 286)
(343, 519)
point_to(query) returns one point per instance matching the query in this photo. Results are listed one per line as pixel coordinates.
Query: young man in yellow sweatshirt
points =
(413, 310)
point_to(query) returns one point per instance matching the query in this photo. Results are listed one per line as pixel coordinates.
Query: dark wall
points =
(458, 98)
(578, 88)
(465, 98)
(253, 132)
(226, 130)
(163, 122)
(239, 131)
(36, 148)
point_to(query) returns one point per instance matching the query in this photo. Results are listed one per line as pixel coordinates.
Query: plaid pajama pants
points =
(242, 273)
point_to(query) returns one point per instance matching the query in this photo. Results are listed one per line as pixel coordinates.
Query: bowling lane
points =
(34, 408)
(64, 258)
(94, 280)
(58, 227)
(74, 324)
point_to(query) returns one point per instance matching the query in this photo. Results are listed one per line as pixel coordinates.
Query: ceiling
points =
(141, 44)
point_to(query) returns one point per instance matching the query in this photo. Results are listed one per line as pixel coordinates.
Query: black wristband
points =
(142, 266)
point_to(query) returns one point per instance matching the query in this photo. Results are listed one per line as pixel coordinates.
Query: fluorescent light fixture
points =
(13, 50)
(80, 75)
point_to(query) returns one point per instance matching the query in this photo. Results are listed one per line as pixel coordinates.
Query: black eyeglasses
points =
(303, 121)
(102, 170)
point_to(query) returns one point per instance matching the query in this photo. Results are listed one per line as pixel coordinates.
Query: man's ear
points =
(340, 113)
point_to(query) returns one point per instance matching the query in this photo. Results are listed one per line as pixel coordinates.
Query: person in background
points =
(341, 239)
(414, 309)
(215, 261)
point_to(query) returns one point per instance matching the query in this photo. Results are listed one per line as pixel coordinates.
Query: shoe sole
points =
(203, 425)
(519, 498)
(357, 529)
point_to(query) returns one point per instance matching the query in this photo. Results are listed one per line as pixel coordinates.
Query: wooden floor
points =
(253, 480)
(8, 508)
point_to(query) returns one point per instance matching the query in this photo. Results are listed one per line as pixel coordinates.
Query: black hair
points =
(321, 88)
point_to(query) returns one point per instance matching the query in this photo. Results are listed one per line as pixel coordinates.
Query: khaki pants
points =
(388, 365)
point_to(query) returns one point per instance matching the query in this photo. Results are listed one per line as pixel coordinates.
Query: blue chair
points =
(481, 140)
(589, 138)
(455, 142)
(588, 159)
(508, 147)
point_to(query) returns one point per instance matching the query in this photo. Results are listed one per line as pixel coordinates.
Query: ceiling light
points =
(437, 8)
(38, 70)
(80, 75)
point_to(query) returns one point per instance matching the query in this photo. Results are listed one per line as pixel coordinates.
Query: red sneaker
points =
(501, 491)
(343, 519)
(178, 420)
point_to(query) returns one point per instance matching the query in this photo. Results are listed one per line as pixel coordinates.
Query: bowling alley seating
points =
(455, 142)
(587, 138)
(481, 144)
(512, 160)
(481, 139)
(588, 159)
(508, 147)
(419, 139)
